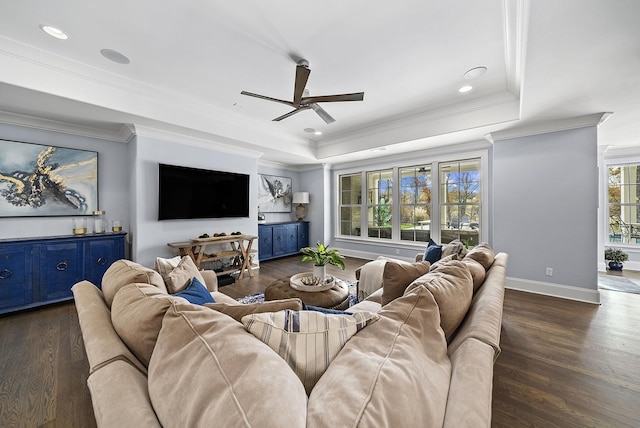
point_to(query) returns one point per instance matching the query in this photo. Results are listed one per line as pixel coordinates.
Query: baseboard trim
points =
(555, 290)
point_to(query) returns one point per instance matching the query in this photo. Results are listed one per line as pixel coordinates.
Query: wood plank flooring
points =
(563, 363)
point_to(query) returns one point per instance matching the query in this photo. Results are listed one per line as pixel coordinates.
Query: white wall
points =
(113, 176)
(150, 236)
(545, 201)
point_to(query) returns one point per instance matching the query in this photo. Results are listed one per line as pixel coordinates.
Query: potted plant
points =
(615, 256)
(321, 256)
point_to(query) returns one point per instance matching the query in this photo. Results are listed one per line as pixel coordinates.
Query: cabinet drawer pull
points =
(5, 274)
(102, 261)
(63, 265)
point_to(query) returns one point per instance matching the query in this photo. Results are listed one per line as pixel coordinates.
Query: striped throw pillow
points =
(307, 340)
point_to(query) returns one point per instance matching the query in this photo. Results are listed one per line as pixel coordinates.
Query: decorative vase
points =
(615, 266)
(319, 272)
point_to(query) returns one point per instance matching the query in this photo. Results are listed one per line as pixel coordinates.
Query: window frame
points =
(617, 162)
(429, 161)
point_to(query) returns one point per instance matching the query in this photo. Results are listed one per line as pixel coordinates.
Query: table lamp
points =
(300, 198)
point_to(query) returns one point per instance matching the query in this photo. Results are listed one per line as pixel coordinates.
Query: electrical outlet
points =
(397, 251)
(549, 271)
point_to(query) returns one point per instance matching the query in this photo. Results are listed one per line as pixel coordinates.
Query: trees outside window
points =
(623, 203)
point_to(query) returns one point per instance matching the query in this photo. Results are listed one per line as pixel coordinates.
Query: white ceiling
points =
(546, 59)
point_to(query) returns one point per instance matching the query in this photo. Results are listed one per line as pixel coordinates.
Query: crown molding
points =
(547, 126)
(122, 135)
(216, 142)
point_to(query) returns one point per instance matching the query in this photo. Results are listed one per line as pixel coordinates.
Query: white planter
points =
(320, 272)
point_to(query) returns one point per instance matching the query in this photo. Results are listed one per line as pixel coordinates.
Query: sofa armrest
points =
(101, 342)
(210, 279)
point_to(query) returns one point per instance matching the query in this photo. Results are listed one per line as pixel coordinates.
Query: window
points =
(409, 204)
(623, 203)
(379, 204)
(460, 201)
(415, 204)
(350, 204)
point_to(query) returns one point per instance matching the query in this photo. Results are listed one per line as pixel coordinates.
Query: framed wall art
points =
(38, 180)
(274, 194)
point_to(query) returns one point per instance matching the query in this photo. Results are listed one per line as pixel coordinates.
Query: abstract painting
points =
(274, 194)
(38, 180)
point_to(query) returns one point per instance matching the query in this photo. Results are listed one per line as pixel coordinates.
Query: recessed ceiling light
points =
(54, 32)
(309, 130)
(474, 73)
(317, 133)
(465, 88)
(115, 56)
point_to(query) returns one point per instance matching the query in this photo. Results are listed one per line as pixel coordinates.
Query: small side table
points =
(336, 297)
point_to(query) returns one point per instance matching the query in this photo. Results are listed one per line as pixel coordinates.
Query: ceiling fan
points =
(301, 99)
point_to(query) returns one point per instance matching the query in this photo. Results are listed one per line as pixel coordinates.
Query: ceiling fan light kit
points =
(301, 99)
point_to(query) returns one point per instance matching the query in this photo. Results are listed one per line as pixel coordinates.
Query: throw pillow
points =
(307, 340)
(443, 260)
(477, 272)
(483, 254)
(206, 369)
(136, 313)
(165, 266)
(452, 287)
(454, 247)
(433, 252)
(123, 272)
(237, 311)
(180, 277)
(196, 293)
(394, 373)
(397, 277)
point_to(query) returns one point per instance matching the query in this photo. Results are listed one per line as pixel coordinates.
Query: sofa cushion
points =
(237, 311)
(208, 370)
(124, 272)
(136, 314)
(477, 272)
(307, 340)
(483, 254)
(394, 373)
(180, 277)
(196, 293)
(397, 276)
(452, 287)
(454, 247)
(443, 260)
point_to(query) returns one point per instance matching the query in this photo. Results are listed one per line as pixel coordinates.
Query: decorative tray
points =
(304, 282)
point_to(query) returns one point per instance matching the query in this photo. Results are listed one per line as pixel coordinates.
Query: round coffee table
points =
(337, 297)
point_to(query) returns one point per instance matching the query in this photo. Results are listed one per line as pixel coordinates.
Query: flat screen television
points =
(191, 193)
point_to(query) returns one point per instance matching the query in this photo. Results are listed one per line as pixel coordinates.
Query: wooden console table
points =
(240, 247)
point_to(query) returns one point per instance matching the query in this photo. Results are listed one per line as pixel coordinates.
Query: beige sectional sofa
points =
(157, 360)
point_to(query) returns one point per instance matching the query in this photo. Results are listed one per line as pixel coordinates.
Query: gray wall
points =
(150, 236)
(545, 200)
(113, 176)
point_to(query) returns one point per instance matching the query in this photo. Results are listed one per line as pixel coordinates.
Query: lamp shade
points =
(300, 197)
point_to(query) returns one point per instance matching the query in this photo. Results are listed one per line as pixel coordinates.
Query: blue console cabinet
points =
(282, 239)
(38, 271)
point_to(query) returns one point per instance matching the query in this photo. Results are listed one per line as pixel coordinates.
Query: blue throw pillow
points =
(196, 293)
(432, 253)
(324, 310)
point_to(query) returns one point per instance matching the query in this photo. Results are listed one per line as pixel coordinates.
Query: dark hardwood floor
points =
(563, 363)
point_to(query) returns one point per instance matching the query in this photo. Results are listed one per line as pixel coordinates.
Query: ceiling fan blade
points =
(302, 75)
(323, 114)
(264, 97)
(356, 96)
(291, 113)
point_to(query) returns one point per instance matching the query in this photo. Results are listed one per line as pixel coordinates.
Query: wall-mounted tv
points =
(190, 193)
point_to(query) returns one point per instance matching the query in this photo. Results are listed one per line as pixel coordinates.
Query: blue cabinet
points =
(282, 239)
(37, 271)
